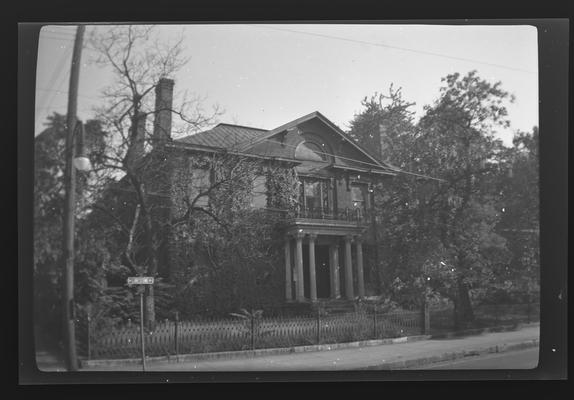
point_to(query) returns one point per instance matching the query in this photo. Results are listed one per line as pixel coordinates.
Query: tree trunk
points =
(463, 314)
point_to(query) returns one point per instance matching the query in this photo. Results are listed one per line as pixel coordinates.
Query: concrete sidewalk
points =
(399, 355)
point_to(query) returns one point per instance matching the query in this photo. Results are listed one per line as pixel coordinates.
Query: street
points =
(520, 359)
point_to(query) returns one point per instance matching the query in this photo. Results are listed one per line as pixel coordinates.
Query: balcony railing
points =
(342, 214)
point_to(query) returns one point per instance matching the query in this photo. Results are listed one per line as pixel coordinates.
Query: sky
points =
(265, 75)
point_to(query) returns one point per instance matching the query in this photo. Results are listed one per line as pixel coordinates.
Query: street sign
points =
(140, 280)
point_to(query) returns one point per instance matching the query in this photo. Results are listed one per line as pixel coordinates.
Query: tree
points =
(226, 253)
(49, 164)
(138, 61)
(386, 126)
(459, 146)
(519, 203)
(438, 236)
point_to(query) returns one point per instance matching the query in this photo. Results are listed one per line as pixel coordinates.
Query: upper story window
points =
(314, 195)
(358, 196)
(201, 181)
(259, 192)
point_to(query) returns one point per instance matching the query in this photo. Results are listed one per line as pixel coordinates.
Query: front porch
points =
(313, 250)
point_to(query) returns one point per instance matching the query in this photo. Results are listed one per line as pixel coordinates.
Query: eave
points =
(221, 150)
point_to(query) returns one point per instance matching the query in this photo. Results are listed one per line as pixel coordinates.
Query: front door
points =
(321, 271)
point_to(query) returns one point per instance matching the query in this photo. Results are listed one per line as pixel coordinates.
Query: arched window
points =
(310, 151)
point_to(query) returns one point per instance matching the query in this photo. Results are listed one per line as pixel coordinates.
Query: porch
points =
(313, 250)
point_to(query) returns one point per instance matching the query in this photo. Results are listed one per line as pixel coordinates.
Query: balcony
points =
(348, 214)
(340, 222)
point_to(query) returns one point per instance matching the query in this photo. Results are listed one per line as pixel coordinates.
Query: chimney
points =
(137, 142)
(383, 147)
(163, 107)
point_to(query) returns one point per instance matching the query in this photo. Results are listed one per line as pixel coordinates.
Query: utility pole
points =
(70, 205)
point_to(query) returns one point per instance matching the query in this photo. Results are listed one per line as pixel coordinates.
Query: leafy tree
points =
(386, 126)
(459, 146)
(439, 237)
(518, 188)
(49, 163)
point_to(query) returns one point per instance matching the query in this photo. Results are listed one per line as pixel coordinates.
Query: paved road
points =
(519, 359)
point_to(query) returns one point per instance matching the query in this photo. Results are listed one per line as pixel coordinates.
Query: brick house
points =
(329, 223)
(328, 227)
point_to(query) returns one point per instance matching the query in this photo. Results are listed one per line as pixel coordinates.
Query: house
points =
(329, 222)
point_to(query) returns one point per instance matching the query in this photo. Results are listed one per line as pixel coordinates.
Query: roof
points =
(249, 140)
(271, 149)
(225, 136)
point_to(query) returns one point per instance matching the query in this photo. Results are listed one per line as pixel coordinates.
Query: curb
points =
(478, 331)
(419, 362)
(229, 355)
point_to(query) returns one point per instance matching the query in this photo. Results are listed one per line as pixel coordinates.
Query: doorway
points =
(322, 274)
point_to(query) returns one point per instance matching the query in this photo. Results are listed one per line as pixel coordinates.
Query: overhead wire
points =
(396, 48)
(57, 78)
(365, 162)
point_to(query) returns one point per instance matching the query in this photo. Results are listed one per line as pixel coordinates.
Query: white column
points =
(299, 266)
(360, 277)
(349, 293)
(312, 273)
(334, 271)
(288, 280)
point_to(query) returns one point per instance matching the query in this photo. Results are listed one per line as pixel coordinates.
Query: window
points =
(201, 181)
(358, 196)
(315, 195)
(259, 192)
(310, 151)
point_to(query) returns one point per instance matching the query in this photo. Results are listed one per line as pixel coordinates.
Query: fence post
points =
(176, 344)
(89, 328)
(425, 318)
(318, 325)
(252, 332)
(375, 322)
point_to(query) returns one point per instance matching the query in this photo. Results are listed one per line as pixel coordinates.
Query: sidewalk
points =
(386, 356)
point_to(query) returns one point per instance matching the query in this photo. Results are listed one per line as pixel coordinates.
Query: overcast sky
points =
(266, 75)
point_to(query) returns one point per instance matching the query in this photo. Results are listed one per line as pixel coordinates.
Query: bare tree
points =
(139, 59)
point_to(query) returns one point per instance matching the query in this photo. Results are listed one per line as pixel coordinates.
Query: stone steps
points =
(337, 306)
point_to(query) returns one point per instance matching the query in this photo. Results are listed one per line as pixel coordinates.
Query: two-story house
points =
(323, 247)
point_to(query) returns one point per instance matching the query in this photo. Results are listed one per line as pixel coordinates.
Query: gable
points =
(289, 141)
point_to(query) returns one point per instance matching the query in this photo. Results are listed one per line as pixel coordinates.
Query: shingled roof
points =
(224, 136)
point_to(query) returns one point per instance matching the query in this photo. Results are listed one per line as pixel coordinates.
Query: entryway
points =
(321, 271)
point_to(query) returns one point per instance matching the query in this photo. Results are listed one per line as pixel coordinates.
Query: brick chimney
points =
(137, 142)
(384, 143)
(163, 107)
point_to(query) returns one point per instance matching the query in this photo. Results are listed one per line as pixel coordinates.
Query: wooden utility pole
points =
(70, 205)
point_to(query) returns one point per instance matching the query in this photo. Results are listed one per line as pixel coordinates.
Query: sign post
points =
(140, 281)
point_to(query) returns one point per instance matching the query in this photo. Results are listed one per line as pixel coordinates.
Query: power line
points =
(398, 48)
(56, 73)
